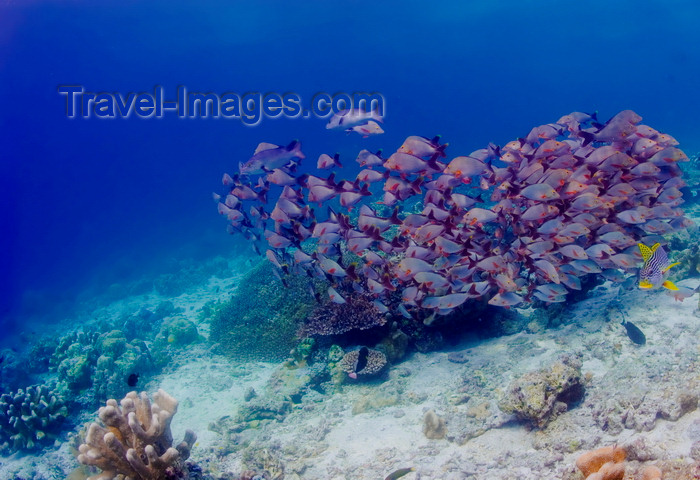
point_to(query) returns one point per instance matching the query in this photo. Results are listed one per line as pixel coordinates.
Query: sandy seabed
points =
(364, 431)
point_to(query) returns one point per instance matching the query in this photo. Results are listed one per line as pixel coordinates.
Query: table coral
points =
(357, 313)
(135, 442)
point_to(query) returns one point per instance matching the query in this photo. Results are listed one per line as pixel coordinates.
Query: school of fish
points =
(421, 231)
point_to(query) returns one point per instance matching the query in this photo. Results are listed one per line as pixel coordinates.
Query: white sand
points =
(322, 439)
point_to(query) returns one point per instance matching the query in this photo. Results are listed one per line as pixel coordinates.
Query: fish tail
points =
(670, 285)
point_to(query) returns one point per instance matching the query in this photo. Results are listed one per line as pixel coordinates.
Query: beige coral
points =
(135, 442)
(434, 426)
(605, 463)
(651, 472)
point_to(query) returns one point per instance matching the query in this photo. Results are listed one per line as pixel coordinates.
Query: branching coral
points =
(30, 417)
(135, 442)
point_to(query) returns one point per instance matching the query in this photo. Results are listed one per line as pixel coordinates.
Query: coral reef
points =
(300, 355)
(118, 359)
(135, 441)
(101, 362)
(376, 363)
(434, 426)
(335, 368)
(540, 396)
(73, 359)
(357, 313)
(146, 323)
(30, 417)
(394, 345)
(263, 409)
(620, 463)
(605, 463)
(647, 400)
(40, 355)
(175, 333)
(261, 319)
(262, 463)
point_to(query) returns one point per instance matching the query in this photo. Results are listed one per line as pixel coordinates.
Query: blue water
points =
(88, 202)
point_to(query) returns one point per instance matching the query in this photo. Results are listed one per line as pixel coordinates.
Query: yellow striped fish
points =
(655, 268)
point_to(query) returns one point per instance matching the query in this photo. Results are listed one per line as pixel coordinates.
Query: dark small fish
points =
(399, 473)
(361, 362)
(133, 379)
(635, 334)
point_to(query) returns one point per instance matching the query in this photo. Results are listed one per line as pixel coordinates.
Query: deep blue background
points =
(89, 202)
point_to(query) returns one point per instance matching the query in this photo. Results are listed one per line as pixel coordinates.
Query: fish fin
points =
(265, 146)
(587, 137)
(394, 218)
(432, 162)
(645, 284)
(646, 251)
(330, 181)
(669, 267)
(670, 285)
